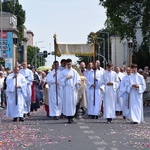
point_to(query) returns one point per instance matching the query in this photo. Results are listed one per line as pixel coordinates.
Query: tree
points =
(15, 8)
(33, 58)
(101, 45)
(123, 17)
(128, 15)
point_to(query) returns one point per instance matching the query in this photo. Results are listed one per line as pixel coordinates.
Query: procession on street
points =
(67, 91)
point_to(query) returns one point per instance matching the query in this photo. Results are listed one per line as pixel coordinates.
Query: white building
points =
(120, 49)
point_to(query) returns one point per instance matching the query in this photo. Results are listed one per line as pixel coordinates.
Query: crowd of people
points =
(66, 91)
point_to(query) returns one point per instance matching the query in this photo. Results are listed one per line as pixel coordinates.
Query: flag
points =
(76, 49)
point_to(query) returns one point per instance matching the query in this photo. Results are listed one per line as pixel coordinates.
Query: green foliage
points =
(142, 58)
(123, 17)
(32, 57)
(15, 8)
(101, 45)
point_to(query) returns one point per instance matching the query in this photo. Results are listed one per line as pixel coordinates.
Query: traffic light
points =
(45, 54)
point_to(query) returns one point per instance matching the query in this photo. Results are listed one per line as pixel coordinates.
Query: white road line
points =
(113, 148)
(100, 143)
(80, 123)
(94, 137)
(83, 127)
(101, 148)
(81, 119)
(88, 131)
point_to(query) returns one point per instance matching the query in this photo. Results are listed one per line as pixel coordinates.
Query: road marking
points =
(81, 119)
(101, 148)
(113, 148)
(100, 143)
(94, 137)
(83, 127)
(88, 131)
(80, 123)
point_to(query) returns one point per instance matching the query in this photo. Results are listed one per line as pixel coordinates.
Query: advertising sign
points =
(6, 48)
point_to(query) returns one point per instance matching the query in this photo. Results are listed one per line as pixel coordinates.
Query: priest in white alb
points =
(136, 88)
(70, 80)
(124, 94)
(28, 74)
(111, 84)
(16, 86)
(119, 99)
(94, 93)
(55, 91)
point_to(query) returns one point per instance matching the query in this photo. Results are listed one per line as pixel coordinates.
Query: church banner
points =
(76, 49)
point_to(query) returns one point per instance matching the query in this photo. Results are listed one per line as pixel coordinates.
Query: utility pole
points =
(1, 53)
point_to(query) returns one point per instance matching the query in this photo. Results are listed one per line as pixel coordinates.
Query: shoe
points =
(135, 122)
(96, 117)
(21, 119)
(56, 118)
(124, 117)
(73, 120)
(28, 114)
(69, 121)
(15, 120)
(93, 117)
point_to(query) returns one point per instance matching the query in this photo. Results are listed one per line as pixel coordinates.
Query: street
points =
(39, 132)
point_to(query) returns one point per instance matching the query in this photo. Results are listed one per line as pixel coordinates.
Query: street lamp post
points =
(36, 52)
(103, 58)
(124, 50)
(108, 43)
(130, 46)
(103, 48)
(41, 56)
(1, 30)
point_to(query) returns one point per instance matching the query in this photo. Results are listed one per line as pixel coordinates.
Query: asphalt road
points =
(39, 132)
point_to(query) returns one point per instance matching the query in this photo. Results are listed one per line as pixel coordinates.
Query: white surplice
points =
(119, 100)
(125, 96)
(28, 74)
(110, 93)
(14, 110)
(94, 102)
(70, 89)
(55, 101)
(136, 97)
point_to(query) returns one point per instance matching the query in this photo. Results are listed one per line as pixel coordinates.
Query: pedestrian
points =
(99, 66)
(16, 109)
(136, 88)
(119, 100)
(35, 103)
(146, 95)
(94, 96)
(62, 65)
(28, 74)
(82, 67)
(46, 98)
(1, 89)
(111, 83)
(70, 80)
(124, 94)
(55, 99)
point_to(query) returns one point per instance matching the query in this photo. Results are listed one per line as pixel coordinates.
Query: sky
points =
(70, 20)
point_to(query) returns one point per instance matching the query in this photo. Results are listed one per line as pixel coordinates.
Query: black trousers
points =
(70, 117)
(109, 119)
